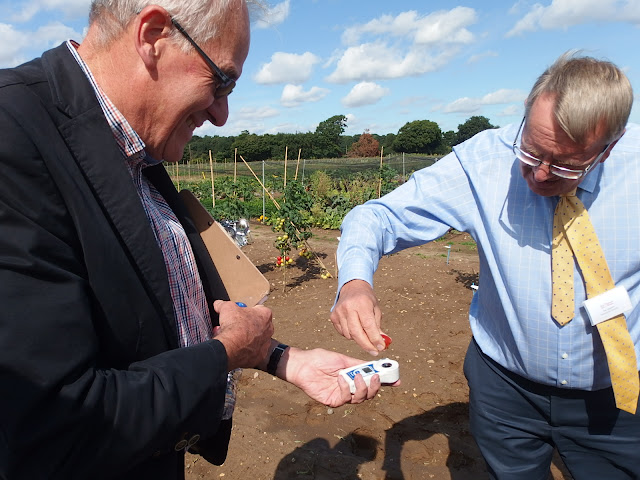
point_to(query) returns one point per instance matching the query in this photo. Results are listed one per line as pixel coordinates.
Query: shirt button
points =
(181, 445)
(565, 356)
(564, 382)
(193, 440)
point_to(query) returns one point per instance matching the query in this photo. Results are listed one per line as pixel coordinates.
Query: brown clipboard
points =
(241, 278)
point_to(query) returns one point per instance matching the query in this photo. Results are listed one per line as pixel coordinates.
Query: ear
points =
(611, 145)
(152, 26)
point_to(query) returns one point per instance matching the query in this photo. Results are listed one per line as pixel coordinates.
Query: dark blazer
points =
(92, 382)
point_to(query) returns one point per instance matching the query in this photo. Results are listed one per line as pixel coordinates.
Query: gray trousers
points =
(518, 423)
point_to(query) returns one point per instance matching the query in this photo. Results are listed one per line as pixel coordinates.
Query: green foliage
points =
(321, 184)
(334, 199)
(388, 179)
(327, 137)
(472, 126)
(252, 147)
(449, 139)
(197, 150)
(243, 187)
(322, 201)
(229, 208)
(292, 221)
(233, 200)
(329, 141)
(359, 189)
(327, 218)
(419, 136)
(386, 142)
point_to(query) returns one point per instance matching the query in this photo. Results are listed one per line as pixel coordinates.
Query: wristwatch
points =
(274, 359)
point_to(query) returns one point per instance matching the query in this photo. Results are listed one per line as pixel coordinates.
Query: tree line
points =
(329, 141)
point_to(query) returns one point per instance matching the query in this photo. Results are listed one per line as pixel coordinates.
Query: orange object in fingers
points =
(387, 340)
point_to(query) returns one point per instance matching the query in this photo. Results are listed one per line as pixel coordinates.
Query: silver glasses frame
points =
(563, 172)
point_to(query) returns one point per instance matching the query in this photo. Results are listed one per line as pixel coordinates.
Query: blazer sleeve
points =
(65, 412)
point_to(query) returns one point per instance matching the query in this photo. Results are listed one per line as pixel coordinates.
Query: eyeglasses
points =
(227, 84)
(563, 172)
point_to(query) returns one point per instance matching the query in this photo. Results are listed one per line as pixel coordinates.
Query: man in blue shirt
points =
(534, 384)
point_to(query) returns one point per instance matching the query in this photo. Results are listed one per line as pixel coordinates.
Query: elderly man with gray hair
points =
(556, 319)
(116, 332)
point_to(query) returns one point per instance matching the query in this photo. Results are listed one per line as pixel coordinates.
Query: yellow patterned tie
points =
(573, 235)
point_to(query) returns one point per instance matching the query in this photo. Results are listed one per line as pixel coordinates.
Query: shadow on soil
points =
(465, 278)
(317, 460)
(310, 270)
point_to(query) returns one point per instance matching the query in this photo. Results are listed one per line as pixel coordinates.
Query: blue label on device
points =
(365, 371)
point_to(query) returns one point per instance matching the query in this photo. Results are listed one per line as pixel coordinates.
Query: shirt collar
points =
(129, 142)
(591, 179)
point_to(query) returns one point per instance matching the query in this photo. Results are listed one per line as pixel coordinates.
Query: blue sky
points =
(380, 63)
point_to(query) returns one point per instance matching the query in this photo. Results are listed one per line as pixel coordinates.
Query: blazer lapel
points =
(91, 142)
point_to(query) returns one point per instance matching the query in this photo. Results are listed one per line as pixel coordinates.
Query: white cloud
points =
(447, 27)
(27, 13)
(385, 25)
(512, 110)
(246, 118)
(481, 56)
(255, 113)
(294, 95)
(436, 28)
(275, 15)
(561, 14)
(287, 68)
(374, 61)
(412, 101)
(286, 128)
(517, 7)
(11, 43)
(70, 8)
(55, 33)
(404, 45)
(470, 105)
(15, 44)
(364, 93)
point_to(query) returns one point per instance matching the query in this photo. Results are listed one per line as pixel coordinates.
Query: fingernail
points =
(380, 347)
(373, 352)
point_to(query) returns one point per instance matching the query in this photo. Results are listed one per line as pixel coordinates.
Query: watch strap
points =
(274, 359)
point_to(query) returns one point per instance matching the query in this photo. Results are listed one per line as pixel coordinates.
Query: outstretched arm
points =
(315, 372)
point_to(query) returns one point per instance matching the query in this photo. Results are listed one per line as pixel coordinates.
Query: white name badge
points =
(607, 305)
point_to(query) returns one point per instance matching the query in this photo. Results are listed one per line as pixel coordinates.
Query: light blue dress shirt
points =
(479, 189)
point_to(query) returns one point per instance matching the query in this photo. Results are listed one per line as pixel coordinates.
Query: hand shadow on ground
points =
(318, 461)
(452, 420)
(310, 269)
(464, 462)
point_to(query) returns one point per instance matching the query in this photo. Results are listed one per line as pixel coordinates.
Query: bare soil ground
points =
(416, 431)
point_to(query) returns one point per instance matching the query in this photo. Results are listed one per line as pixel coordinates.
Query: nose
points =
(219, 111)
(541, 173)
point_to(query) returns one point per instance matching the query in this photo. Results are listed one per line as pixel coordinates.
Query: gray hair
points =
(588, 92)
(201, 18)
